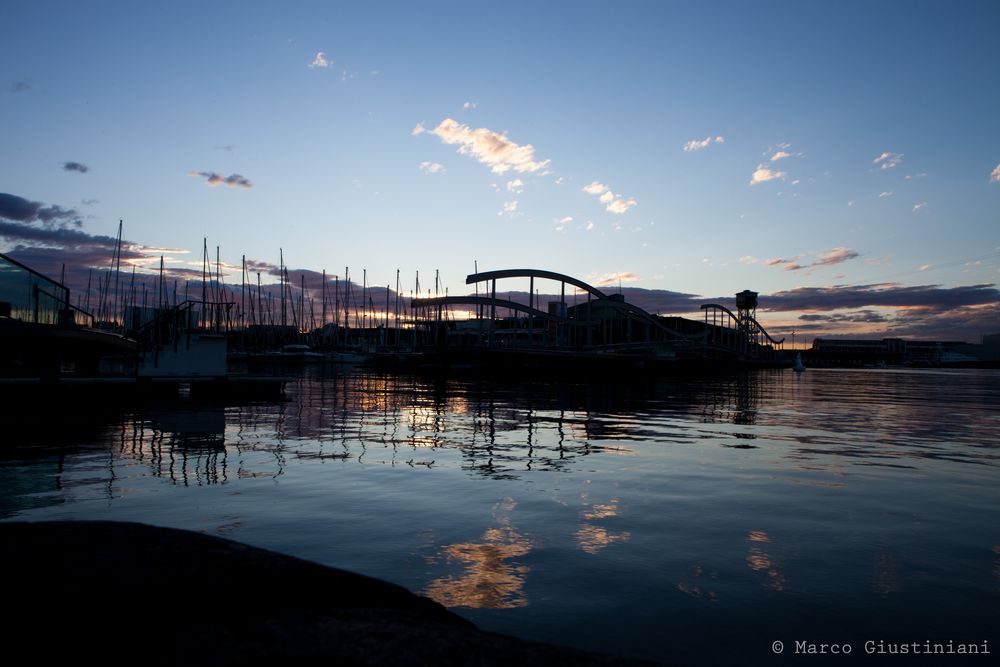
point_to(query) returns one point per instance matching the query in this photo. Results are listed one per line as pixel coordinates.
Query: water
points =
(687, 519)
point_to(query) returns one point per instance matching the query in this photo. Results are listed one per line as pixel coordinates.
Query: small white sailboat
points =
(799, 367)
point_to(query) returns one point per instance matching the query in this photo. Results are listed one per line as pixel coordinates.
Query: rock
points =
(128, 593)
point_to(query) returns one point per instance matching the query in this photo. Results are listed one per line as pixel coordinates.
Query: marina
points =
(489, 334)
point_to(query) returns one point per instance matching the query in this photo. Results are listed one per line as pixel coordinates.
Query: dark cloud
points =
(48, 236)
(213, 179)
(860, 316)
(257, 266)
(20, 209)
(47, 250)
(76, 166)
(20, 86)
(930, 297)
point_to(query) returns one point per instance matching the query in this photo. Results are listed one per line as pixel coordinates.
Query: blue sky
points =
(854, 142)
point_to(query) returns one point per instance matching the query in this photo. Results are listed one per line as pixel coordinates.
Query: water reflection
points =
(491, 578)
(187, 448)
(886, 575)
(825, 422)
(592, 538)
(728, 491)
(760, 561)
(698, 586)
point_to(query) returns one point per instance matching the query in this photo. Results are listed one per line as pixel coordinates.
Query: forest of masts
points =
(123, 301)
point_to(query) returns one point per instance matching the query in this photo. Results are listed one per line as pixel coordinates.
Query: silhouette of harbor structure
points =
(599, 331)
(165, 342)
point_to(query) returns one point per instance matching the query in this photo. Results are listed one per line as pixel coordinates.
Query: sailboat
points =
(799, 367)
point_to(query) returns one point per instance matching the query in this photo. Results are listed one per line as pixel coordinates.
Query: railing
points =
(747, 337)
(29, 296)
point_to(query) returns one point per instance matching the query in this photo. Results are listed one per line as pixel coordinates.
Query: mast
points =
(118, 267)
(243, 294)
(90, 275)
(281, 275)
(323, 299)
(204, 272)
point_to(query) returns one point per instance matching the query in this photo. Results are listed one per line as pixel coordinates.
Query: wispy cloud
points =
(20, 209)
(748, 259)
(320, 61)
(431, 167)
(613, 203)
(614, 278)
(418, 129)
(828, 258)
(516, 186)
(919, 206)
(470, 105)
(697, 145)
(76, 166)
(562, 222)
(836, 256)
(213, 179)
(884, 195)
(509, 208)
(914, 177)
(491, 148)
(888, 160)
(995, 174)
(20, 87)
(780, 155)
(764, 174)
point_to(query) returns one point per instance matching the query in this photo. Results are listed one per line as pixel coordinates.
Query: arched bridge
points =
(603, 321)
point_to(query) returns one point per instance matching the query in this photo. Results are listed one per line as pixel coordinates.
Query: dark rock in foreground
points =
(126, 593)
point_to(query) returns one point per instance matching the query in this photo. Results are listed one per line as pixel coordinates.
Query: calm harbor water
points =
(684, 519)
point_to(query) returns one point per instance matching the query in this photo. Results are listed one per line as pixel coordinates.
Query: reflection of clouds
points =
(886, 576)
(697, 590)
(760, 561)
(591, 538)
(601, 511)
(489, 580)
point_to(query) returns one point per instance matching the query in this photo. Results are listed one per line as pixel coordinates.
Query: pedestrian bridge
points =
(603, 321)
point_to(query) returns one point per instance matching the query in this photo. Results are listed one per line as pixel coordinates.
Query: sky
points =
(841, 159)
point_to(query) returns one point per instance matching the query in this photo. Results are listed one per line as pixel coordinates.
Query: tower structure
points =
(746, 314)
